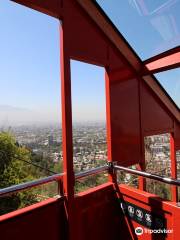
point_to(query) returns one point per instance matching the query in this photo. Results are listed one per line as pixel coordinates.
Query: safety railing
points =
(170, 181)
(109, 167)
(53, 178)
(28, 185)
(91, 172)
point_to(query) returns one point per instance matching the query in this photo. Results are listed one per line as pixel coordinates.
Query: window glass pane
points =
(157, 157)
(89, 121)
(151, 27)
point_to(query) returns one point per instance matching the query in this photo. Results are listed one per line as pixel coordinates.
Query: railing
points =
(53, 178)
(28, 185)
(109, 167)
(91, 172)
(170, 181)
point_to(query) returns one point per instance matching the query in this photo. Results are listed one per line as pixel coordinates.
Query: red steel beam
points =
(67, 132)
(165, 61)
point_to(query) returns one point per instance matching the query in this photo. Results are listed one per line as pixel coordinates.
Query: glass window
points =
(151, 27)
(89, 122)
(157, 153)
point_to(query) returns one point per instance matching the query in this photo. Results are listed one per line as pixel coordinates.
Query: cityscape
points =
(90, 151)
(157, 155)
(89, 143)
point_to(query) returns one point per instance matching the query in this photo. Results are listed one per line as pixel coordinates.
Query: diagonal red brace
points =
(165, 61)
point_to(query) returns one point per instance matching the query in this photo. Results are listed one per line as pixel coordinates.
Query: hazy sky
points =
(30, 71)
(30, 68)
(29, 63)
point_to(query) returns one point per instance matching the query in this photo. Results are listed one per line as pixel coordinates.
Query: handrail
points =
(34, 183)
(108, 167)
(91, 172)
(171, 181)
(55, 177)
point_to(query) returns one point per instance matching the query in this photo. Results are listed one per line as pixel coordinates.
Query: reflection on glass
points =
(151, 27)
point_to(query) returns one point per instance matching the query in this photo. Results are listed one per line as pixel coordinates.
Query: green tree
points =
(14, 170)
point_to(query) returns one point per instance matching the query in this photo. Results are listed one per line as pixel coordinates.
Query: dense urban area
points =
(89, 143)
(32, 152)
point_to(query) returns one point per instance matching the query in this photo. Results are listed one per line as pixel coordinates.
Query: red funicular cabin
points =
(136, 107)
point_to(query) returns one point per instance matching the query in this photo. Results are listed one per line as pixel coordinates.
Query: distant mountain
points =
(12, 116)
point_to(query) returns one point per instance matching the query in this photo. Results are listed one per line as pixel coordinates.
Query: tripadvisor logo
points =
(139, 231)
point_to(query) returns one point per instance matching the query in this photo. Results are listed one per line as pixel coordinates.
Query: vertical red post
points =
(174, 190)
(108, 118)
(141, 166)
(67, 139)
(112, 176)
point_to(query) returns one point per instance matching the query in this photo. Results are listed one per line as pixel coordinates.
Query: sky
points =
(30, 71)
(30, 66)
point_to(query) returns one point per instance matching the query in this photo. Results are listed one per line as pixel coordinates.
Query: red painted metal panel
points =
(155, 117)
(99, 215)
(84, 41)
(167, 210)
(125, 122)
(45, 220)
(175, 224)
(118, 63)
(115, 64)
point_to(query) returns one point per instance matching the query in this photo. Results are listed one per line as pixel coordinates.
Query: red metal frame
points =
(174, 190)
